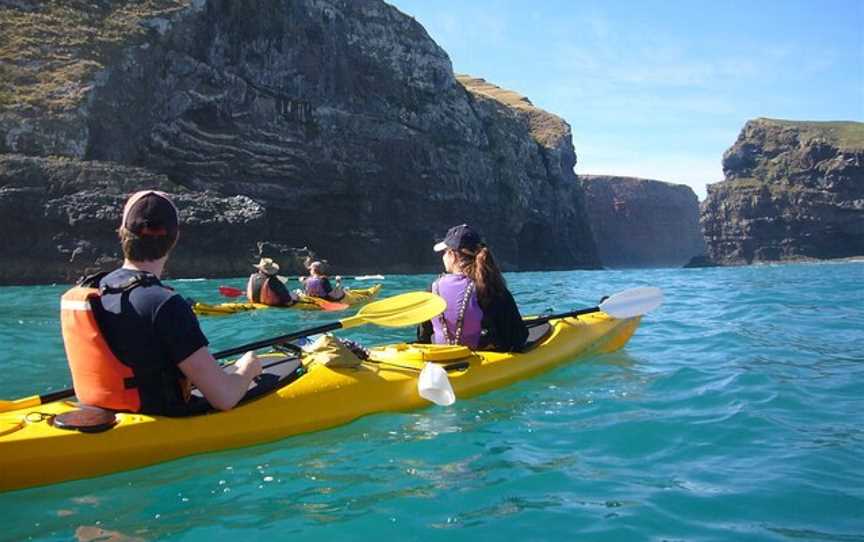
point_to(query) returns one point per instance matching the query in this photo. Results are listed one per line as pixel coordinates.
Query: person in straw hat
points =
(265, 287)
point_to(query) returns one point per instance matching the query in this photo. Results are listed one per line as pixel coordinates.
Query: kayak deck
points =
(321, 398)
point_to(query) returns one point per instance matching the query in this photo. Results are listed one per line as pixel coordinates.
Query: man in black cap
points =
(151, 329)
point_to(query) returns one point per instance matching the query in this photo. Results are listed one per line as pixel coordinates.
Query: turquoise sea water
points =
(736, 412)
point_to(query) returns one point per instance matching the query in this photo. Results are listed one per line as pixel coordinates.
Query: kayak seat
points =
(536, 335)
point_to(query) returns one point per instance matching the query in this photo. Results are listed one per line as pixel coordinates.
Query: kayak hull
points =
(33, 452)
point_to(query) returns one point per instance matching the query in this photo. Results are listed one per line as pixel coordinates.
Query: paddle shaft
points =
(56, 396)
(277, 340)
(543, 319)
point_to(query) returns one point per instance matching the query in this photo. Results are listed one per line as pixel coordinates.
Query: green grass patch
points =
(843, 134)
(744, 182)
(48, 51)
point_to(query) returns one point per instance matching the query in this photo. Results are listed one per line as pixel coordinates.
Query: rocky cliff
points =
(792, 190)
(642, 222)
(333, 125)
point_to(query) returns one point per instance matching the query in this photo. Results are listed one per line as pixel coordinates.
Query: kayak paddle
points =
(230, 291)
(398, 311)
(625, 304)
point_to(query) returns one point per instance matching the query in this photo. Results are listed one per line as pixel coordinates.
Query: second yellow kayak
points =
(308, 303)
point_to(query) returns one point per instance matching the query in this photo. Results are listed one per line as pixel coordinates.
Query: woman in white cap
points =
(266, 288)
(481, 312)
(134, 344)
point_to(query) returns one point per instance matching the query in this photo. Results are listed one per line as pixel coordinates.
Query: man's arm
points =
(223, 390)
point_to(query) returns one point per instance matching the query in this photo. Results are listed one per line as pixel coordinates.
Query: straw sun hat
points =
(267, 266)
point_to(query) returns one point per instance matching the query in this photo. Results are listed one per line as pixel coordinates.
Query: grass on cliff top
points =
(743, 183)
(49, 49)
(750, 184)
(546, 128)
(846, 134)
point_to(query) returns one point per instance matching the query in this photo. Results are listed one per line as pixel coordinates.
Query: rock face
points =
(334, 125)
(793, 190)
(61, 217)
(642, 222)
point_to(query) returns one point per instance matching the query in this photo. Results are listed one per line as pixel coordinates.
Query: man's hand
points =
(249, 365)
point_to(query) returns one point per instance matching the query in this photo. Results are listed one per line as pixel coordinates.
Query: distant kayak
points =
(309, 303)
(369, 277)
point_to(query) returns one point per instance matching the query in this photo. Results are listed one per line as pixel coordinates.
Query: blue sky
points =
(660, 89)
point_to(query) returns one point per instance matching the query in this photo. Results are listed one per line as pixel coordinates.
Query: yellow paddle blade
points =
(398, 311)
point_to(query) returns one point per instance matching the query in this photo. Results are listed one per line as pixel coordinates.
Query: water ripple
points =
(735, 413)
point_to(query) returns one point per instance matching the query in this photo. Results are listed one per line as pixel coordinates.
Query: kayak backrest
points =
(536, 335)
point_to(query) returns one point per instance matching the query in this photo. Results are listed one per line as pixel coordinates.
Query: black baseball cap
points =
(151, 213)
(459, 237)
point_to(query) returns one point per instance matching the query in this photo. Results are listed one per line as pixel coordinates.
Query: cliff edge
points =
(642, 222)
(793, 190)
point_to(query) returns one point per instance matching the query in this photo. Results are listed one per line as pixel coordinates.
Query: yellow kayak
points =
(308, 303)
(34, 451)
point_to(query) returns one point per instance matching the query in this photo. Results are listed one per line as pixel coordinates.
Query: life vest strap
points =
(142, 279)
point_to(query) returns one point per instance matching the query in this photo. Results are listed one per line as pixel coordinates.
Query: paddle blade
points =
(229, 291)
(325, 305)
(633, 302)
(399, 311)
(434, 385)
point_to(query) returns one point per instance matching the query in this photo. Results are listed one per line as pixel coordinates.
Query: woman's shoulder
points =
(503, 297)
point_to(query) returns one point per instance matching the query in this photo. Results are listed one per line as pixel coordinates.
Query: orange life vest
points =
(258, 291)
(99, 378)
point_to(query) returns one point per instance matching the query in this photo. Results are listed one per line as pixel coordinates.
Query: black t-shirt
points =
(151, 329)
(505, 330)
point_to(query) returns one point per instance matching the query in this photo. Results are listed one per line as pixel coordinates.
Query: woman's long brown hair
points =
(480, 267)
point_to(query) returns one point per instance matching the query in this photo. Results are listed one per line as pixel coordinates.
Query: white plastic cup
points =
(433, 385)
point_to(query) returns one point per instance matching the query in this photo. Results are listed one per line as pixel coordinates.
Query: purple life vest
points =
(462, 320)
(314, 287)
